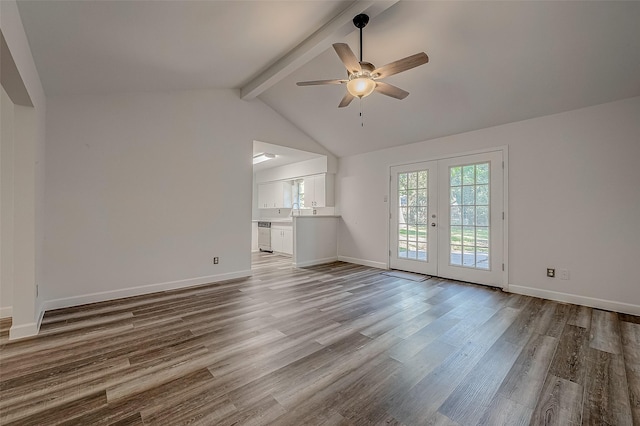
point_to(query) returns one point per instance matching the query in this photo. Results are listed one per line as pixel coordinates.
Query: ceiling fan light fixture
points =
(361, 86)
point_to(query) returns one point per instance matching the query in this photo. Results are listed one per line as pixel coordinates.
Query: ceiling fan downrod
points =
(361, 21)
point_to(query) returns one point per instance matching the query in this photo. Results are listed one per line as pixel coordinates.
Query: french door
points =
(447, 218)
(414, 210)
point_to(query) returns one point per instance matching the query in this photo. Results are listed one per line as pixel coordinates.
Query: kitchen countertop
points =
(290, 219)
(316, 216)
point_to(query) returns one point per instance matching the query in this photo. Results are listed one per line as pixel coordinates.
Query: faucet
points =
(292, 207)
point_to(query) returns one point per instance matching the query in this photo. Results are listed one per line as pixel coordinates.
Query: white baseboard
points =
(24, 330)
(6, 311)
(608, 305)
(20, 331)
(137, 291)
(315, 262)
(379, 265)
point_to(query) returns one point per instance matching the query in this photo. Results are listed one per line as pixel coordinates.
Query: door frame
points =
(504, 149)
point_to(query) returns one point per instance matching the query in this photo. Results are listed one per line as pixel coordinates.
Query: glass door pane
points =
(412, 215)
(469, 216)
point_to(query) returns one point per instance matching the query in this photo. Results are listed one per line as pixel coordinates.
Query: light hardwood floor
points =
(333, 344)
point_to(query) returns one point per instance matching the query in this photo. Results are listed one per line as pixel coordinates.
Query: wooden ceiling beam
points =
(337, 28)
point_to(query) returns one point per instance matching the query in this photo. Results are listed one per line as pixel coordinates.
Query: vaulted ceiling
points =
(490, 62)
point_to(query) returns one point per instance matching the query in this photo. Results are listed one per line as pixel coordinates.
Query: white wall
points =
(574, 201)
(28, 176)
(143, 190)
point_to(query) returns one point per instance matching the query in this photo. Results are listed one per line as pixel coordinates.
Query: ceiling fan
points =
(362, 77)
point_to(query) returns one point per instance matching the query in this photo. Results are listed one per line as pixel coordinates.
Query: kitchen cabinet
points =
(282, 239)
(274, 195)
(318, 191)
(265, 195)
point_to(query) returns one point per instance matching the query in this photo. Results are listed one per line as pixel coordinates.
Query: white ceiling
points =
(490, 62)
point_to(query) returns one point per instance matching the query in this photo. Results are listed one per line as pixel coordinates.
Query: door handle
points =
(433, 224)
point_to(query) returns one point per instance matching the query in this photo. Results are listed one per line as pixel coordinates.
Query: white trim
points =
(505, 222)
(608, 305)
(370, 263)
(6, 311)
(41, 313)
(25, 330)
(139, 290)
(315, 262)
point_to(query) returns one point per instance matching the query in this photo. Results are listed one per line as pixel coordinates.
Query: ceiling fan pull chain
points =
(361, 115)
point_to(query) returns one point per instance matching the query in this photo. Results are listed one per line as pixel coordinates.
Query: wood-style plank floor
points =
(334, 344)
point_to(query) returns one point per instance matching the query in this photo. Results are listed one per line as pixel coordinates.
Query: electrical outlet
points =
(216, 260)
(563, 274)
(551, 272)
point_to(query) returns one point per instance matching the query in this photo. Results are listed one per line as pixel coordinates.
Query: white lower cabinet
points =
(287, 241)
(282, 239)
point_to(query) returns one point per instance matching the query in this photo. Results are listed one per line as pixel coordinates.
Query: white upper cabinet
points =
(264, 195)
(318, 191)
(274, 195)
(314, 190)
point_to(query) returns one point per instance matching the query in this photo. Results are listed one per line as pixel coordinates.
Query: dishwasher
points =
(264, 236)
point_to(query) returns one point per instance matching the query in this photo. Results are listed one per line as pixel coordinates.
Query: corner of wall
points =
(28, 177)
(22, 331)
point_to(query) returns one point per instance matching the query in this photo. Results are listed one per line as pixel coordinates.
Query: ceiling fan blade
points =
(318, 82)
(347, 57)
(348, 97)
(390, 90)
(401, 65)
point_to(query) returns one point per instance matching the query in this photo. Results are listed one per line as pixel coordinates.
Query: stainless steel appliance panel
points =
(264, 236)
